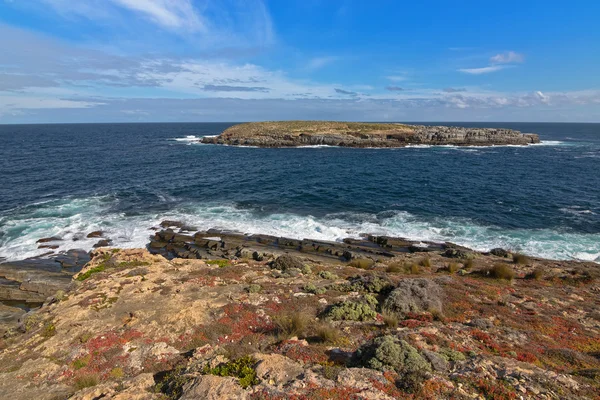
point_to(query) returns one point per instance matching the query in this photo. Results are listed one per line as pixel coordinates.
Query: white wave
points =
(188, 138)
(75, 218)
(577, 210)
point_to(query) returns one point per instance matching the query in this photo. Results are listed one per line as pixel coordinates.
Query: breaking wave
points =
(72, 219)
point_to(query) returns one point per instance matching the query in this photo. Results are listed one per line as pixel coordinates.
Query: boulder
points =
(276, 369)
(211, 387)
(95, 234)
(414, 295)
(286, 261)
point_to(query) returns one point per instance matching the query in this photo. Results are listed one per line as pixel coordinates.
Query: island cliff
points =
(356, 134)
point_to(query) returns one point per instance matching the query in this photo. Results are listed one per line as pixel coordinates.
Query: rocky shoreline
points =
(222, 315)
(346, 134)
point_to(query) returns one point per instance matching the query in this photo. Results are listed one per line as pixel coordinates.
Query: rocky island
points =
(355, 134)
(223, 315)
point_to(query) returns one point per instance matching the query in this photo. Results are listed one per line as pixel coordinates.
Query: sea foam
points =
(73, 219)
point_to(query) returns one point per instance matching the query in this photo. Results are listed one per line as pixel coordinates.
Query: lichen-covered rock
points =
(390, 353)
(287, 262)
(371, 283)
(414, 296)
(362, 309)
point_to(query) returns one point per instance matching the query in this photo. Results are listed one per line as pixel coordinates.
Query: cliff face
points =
(311, 133)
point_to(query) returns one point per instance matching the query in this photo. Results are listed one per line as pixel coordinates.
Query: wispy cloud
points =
(397, 78)
(453, 90)
(507, 58)
(223, 23)
(482, 70)
(178, 14)
(498, 62)
(227, 88)
(394, 88)
(320, 62)
(346, 92)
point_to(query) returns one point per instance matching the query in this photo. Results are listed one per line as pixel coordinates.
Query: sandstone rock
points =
(211, 387)
(276, 369)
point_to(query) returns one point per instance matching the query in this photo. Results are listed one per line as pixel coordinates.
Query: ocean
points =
(69, 180)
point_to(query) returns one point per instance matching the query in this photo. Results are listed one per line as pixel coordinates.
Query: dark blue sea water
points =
(69, 180)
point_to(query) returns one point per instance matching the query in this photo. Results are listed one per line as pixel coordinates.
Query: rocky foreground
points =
(218, 315)
(353, 134)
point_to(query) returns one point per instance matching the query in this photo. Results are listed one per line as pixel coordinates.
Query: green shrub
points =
(362, 263)
(292, 324)
(311, 288)
(85, 275)
(242, 368)
(171, 383)
(82, 362)
(452, 355)
(85, 381)
(520, 259)
(117, 373)
(49, 330)
(328, 275)
(306, 269)
(219, 263)
(254, 288)
(502, 271)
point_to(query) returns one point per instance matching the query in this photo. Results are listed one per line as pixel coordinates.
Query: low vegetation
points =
(242, 368)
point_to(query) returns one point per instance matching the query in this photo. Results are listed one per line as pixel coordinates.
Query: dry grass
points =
(395, 267)
(425, 262)
(521, 259)
(295, 128)
(362, 263)
(328, 334)
(502, 271)
(453, 267)
(292, 324)
(390, 320)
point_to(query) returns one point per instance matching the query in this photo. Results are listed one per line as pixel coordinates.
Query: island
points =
(358, 134)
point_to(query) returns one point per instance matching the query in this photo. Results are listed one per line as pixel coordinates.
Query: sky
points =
(247, 60)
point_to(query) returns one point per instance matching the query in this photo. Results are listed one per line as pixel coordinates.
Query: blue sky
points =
(243, 60)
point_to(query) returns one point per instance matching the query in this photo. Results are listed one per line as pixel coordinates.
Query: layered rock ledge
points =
(355, 134)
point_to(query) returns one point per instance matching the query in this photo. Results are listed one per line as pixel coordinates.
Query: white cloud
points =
(168, 13)
(507, 58)
(222, 23)
(483, 70)
(320, 62)
(397, 78)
